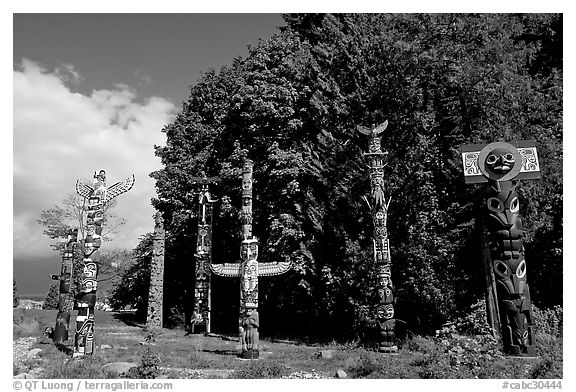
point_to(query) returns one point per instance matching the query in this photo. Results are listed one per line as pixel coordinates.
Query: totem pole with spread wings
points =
(248, 270)
(98, 195)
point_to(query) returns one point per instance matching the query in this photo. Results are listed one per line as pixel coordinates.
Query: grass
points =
(168, 353)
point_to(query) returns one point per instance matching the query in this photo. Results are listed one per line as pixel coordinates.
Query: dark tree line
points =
(293, 105)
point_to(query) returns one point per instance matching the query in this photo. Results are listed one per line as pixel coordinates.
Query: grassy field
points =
(170, 354)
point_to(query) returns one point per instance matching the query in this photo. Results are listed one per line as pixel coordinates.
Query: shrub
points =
(147, 369)
(549, 321)
(475, 321)
(458, 356)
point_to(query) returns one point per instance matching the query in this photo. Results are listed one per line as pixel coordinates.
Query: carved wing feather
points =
(204, 180)
(376, 131)
(380, 128)
(364, 130)
(119, 188)
(227, 269)
(271, 269)
(84, 190)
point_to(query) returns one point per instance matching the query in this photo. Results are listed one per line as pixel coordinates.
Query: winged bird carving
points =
(117, 189)
(376, 131)
(204, 180)
(271, 269)
(227, 269)
(84, 190)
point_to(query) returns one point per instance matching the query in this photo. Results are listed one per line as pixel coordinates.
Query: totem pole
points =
(98, 196)
(384, 310)
(248, 270)
(155, 294)
(201, 313)
(60, 332)
(502, 166)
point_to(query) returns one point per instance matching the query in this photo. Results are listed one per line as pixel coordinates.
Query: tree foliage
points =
(52, 298)
(69, 214)
(15, 295)
(292, 106)
(132, 286)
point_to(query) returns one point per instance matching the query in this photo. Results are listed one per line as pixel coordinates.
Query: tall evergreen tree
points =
(293, 105)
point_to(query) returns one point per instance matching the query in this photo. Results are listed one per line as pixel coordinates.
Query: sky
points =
(93, 91)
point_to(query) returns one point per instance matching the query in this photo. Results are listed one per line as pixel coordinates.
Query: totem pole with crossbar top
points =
(248, 270)
(98, 195)
(502, 165)
(60, 332)
(383, 312)
(202, 284)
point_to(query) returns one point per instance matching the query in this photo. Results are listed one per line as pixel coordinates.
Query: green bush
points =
(475, 321)
(549, 321)
(147, 369)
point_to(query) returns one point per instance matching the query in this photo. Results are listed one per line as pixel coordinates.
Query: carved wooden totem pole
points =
(60, 332)
(502, 166)
(98, 196)
(202, 283)
(383, 313)
(154, 316)
(248, 270)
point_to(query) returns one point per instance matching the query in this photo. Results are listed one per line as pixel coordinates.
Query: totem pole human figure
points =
(248, 270)
(384, 310)
(98, 196)
(154, 316)
(60, 332)
(502, 166)
(202, 297)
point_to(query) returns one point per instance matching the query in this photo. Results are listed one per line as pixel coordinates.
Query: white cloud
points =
(60, 136)
(68, 73)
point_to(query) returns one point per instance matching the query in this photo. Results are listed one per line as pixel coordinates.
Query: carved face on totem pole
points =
(511, 275)
(88, 249)
(249, 288)
(503, 207)
(385, 295)
(101, 176)
(375, 143)
(385, 312)
(203, 246)
(249, 250)
(500, 161)
(380, 220)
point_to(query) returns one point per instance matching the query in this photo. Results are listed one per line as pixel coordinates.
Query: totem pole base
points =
(388, 349)
(60, 331)
(250, 354)
(517, 351)
(59, 334)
